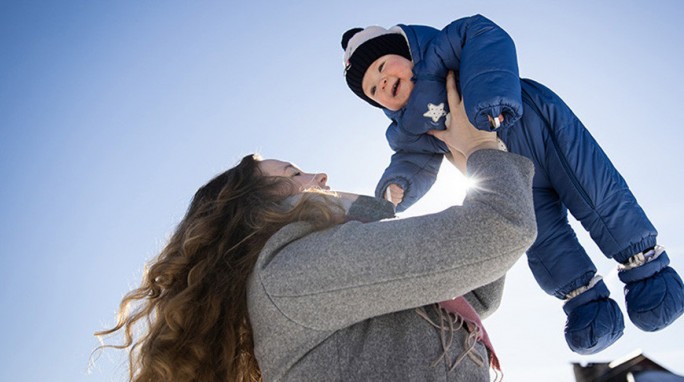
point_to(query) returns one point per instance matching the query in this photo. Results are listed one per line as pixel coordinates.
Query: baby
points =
(402, 70)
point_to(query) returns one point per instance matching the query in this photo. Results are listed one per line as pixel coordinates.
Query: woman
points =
(263, 281)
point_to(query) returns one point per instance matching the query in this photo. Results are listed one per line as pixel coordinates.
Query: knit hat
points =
(363, 46)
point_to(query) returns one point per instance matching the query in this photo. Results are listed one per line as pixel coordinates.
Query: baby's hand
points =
(495, 122)
(394, 193)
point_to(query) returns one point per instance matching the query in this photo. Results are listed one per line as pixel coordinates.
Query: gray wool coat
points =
(342, 304)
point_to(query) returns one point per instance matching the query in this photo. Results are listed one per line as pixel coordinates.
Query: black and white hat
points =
(363, 46)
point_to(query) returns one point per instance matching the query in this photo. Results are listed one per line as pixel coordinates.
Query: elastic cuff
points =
(648, 269)
(578, 283)
(584, 288)
(643, 245)
(642, 258)
(596, 292)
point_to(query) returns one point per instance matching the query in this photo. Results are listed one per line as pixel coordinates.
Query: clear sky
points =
(113, 113)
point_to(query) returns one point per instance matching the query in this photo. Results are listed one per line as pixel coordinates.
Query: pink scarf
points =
(460, 306)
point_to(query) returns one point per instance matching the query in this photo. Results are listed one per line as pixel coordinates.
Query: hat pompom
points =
(348, 35)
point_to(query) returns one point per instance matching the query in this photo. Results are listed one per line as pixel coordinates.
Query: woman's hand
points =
(460, 135)
(458, 160)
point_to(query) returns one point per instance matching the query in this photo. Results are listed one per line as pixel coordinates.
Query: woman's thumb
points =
(436, 133)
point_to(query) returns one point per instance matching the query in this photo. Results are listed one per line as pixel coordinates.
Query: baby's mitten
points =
(594, 320)
(654, 293)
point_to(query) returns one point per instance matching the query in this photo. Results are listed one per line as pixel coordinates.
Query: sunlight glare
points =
(449, 190)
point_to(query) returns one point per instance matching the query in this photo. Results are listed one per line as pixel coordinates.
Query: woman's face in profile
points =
(274, 167)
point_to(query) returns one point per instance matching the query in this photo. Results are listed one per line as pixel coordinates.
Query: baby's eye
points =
(380, 67)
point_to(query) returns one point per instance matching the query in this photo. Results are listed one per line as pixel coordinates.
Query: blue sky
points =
(113, 113)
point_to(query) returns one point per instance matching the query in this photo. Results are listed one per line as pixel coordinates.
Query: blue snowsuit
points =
(571, 173)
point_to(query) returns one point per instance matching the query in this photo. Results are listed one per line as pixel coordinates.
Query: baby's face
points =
(388, 81)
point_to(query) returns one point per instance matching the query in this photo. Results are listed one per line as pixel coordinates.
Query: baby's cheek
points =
(410, 86)
(409, 90)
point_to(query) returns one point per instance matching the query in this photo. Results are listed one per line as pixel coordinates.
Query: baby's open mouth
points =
(394, 88)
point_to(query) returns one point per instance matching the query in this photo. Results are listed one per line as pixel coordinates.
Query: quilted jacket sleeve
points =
(414, 172)
(485, 57)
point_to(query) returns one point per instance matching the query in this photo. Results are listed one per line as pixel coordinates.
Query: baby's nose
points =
(383, 82)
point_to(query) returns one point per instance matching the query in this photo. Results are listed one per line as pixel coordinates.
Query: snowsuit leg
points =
(560, 265)
(557, 260)
(598, 196)
(587, 182)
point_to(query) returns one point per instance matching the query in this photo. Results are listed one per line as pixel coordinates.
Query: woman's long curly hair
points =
(188, 320)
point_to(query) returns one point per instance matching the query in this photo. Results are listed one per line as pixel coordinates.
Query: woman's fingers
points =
(460, 135)
(452, 92)
(439, 134)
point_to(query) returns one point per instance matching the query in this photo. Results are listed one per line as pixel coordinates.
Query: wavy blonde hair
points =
(188, 320)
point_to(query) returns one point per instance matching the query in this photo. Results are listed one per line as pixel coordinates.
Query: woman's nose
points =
(321, 179)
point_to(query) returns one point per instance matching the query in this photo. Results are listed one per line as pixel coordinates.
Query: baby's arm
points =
(414, 173)
(485, 57)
